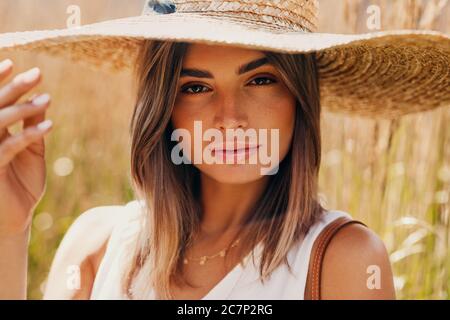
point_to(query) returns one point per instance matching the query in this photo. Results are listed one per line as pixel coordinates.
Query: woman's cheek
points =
(184, 110)
(278, 111)
(281, 116)
(190, 111)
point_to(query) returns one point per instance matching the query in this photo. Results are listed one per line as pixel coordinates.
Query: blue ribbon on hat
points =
(162, 6)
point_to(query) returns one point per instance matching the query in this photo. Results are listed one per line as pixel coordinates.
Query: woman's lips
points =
(235, 153)
(236, 149)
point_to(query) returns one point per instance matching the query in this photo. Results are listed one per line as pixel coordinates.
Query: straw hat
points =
(381, 74)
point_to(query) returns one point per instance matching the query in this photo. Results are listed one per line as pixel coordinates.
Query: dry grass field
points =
(392, 174)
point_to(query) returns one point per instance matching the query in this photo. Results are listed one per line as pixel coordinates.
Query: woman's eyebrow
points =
(249, 66)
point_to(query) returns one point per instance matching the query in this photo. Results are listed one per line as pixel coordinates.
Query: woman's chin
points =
(233, 173)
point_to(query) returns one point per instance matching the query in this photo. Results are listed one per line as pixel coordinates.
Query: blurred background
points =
(392, 174)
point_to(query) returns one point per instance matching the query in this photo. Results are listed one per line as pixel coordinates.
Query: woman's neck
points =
(225, 206)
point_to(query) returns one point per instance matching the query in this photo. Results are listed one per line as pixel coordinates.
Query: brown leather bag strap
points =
(318, 252)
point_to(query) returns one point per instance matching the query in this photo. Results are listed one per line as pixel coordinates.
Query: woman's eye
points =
(198, 88)
(258, 80)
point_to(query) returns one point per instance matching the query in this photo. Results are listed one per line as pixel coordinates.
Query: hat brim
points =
(380, 74)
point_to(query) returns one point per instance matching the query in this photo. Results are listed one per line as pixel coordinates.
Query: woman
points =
(195, 225)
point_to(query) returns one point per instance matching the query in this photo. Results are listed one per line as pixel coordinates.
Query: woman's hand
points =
(22, 155)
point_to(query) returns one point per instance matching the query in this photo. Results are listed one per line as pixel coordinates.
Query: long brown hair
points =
(286, 210)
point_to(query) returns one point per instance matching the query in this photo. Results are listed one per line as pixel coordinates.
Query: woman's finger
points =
(18, 142)
(5, 68)
(4, 134)
(5, 71)
(36, 118)
(12, 114)
(21, 84)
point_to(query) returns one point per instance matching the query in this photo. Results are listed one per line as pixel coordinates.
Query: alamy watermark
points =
(74, 19)
(374, 280)
(73, 281)
(236, 147)
(374, 20)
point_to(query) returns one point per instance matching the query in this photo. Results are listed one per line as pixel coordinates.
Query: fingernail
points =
(28, 76)
(41, 100)
(31, 75)
(45, 125)
(5, 65)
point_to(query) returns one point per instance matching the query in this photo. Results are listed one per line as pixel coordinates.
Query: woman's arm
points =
(22, 173)
(13, 266)
(356, 266)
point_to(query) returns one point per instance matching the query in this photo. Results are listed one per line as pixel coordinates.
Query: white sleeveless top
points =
(241, 283)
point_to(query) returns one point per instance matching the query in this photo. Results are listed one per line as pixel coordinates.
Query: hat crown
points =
(293, 15)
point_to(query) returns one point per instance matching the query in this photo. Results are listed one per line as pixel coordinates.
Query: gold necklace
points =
(202, 260)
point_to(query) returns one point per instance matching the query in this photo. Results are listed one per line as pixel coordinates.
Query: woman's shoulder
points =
(81, 249)
(324, 219)
(85, 243)
(96, 224)
(351, 235)
(356, 263)
(134, 209)
(120, 220)
(114, 218)
(352, 238)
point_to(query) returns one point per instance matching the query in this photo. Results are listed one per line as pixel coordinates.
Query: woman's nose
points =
(230, 114)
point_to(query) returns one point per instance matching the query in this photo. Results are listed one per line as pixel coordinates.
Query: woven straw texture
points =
(383, 75)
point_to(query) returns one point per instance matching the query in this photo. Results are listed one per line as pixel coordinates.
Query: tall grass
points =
(393, 175)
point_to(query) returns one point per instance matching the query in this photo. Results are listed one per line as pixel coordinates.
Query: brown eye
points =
(263, 81)
(196, 89)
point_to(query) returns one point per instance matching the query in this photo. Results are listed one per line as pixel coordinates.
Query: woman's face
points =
(215, 92)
